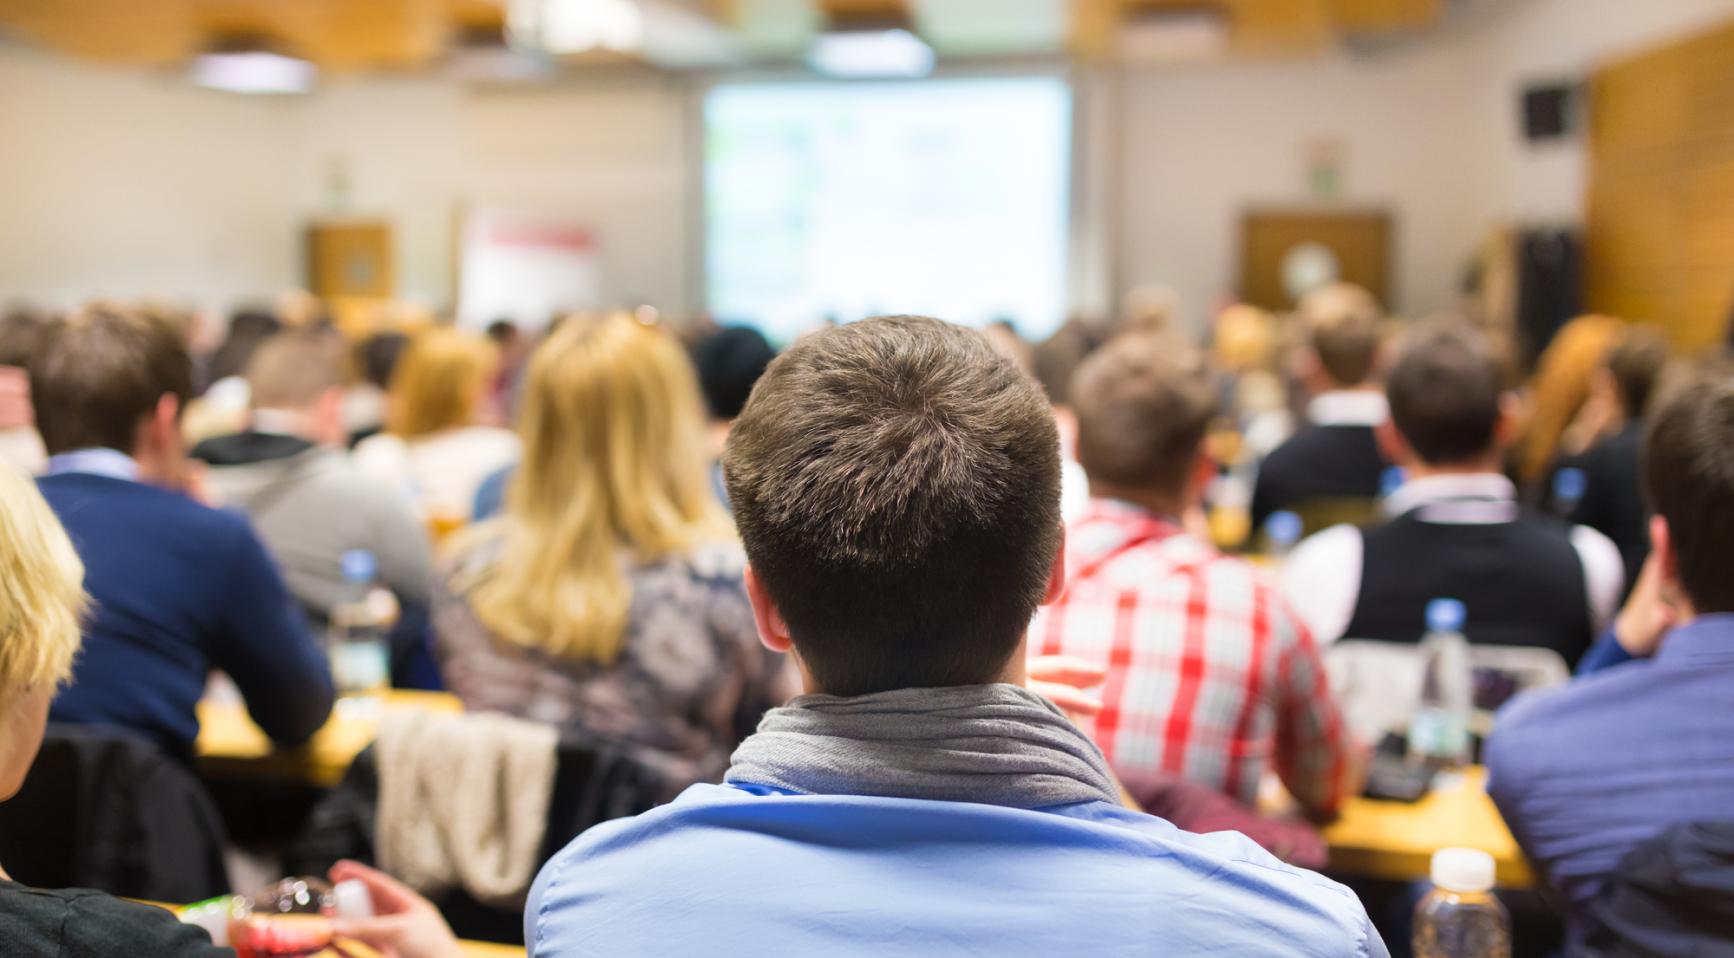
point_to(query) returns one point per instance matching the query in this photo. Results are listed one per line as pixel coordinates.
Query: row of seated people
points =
(880, 557)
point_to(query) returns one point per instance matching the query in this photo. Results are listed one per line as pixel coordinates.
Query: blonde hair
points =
(440, 382)
(614, 459)
(1560, 387)
(41, 590)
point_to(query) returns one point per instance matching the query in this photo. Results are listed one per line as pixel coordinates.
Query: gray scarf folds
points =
(991, 744)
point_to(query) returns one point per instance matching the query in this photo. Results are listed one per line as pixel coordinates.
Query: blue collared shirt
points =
(748, 870)
(1584, 773)
(95, 461)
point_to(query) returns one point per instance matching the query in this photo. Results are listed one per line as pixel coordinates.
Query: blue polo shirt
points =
(748, 870)
(1585, 772)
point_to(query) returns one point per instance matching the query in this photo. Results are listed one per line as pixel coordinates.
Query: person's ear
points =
(162, 429)
(1510, 420)
(1668, 561)
(1057, 574)
(773, 631)
(1391, 443)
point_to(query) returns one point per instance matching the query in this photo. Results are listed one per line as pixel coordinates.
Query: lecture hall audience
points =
(608, 593)
(1210, 676)
(178, 588)
(1585, 773)
(437, 447)
(1455, 528)
(289, 471)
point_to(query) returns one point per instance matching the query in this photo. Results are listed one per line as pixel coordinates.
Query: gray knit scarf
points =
(991, 744)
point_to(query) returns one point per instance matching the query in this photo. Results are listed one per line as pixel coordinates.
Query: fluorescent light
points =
(576, 26)
(871, 53)
(253, 71)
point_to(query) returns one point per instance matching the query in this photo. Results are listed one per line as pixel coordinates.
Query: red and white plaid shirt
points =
(1210, 676)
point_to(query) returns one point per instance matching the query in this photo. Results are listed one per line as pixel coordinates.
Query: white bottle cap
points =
(352, 900)
(1463, 870)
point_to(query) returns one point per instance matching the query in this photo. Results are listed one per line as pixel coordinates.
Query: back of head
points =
(1343, 326)
(376, 356)
(729, 362)
(1445, 392)
(1636, 365)
(294, 369)
(97, 373)
(1689, 480)
(41, 596)
(896, 483)
(1143, 403)
(440, 381)
(613, 458)
(248, 328)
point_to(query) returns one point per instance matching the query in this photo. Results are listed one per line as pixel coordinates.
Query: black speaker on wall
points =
(1550, 111)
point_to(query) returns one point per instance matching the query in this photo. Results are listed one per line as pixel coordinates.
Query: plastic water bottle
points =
(1460, 918)
(1439, 730)
(360, 657)
(1281, 531)
(1569, 485)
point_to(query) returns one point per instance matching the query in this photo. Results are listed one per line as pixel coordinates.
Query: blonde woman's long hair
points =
(440, 382)
(1559, 388)
(41, 591)
(614, 470)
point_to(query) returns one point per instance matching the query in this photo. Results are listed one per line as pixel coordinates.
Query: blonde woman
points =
(437, 446)
(608, 596)
(41, 595)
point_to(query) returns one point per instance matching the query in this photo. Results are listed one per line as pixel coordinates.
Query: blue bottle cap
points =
(1391, 480)
(1569, 485)
(358, 566)
(1446, 615)
(1283, 528)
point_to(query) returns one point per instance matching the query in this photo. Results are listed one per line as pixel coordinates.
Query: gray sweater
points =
(312, 507)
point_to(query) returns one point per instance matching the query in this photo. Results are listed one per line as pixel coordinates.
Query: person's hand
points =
(1647, 615)
(405, 925)
(1061, 679)
(15, 408)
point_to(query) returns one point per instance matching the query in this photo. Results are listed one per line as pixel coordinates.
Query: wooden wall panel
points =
(1660, 221)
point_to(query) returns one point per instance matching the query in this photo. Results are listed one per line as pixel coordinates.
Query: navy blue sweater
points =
(178, 589)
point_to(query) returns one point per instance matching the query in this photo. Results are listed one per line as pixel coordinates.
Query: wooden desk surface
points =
(1396, 840)
(231, 746)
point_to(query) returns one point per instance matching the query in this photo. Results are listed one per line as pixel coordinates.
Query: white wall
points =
(122, 184)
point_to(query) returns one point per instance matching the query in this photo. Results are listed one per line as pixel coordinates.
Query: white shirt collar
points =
(1348, 407)
(1480, 489)
(95, 461)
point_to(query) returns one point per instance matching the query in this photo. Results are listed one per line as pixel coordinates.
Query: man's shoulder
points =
(1558, 725)
(1100, 851)
(144, 502)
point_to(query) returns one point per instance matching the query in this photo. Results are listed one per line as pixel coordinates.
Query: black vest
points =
(1521, 582)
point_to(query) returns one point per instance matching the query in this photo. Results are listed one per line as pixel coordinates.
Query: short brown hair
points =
(897, 486)
(1689, 479)
(294, 368)
(97, 373)
(1636, 364)
(1445, 392)
(1143, 402)
(1343, 327)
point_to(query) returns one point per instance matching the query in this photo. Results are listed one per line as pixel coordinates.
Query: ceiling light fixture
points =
(861, 54)
(256, 70)
(576, 26)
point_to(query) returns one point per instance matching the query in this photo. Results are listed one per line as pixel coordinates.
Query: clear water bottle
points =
(360, 656)
(1569, 486)
(1460, 918)
(1281, 531)
(1439, 730)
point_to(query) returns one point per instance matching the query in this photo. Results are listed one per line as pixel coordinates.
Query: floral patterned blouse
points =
(691, 681)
